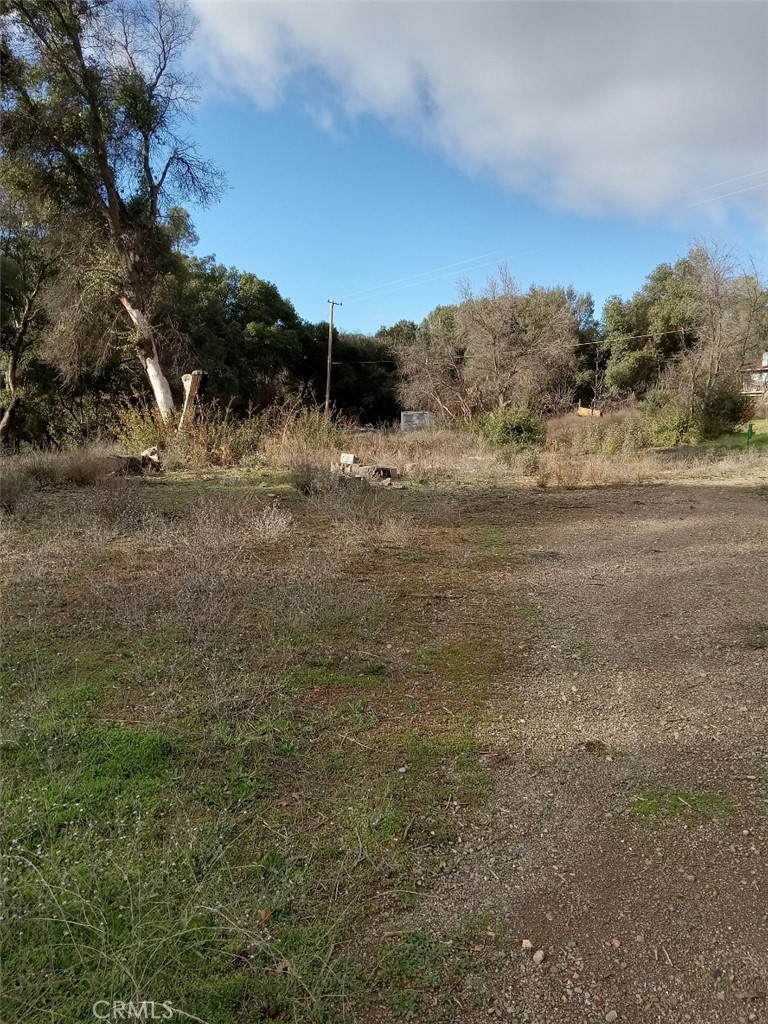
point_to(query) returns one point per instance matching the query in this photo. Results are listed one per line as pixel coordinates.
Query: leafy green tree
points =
(557, 362)
(238, 328)
(29, 258)
(365, 378)
(688, 330)
(93, 95)
(257, 350)
(644, 333)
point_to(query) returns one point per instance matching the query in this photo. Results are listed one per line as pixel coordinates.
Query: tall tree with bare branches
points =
(94, 97)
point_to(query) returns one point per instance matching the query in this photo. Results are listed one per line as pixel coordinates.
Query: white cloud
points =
(590, 106)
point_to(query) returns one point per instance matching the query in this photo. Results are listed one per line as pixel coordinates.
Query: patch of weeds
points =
(495, 541)
(356, 715)
(231, 856)
(588, 653)
(375, 668)
(243, 786)
(418, 557)
(91, 916)
(67, 674)
(655, 805)
(528, 611)
(413, 969)
(412, 706)
(72, 773)
(419, 971)
(430, 773)
(467, 665)
(326, 677)
(427, 657)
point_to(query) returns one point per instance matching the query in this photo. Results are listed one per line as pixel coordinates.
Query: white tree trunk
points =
(191, 382)
(147, 349)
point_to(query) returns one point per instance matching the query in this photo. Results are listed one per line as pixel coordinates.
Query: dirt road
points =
(627, 840)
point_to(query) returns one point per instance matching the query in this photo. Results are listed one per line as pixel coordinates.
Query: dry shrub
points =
(709, 465)
(211, 437)
(311, 474)
(432, 455)
(79, 467)
(559, 470)
(359, 514)
(223, 573)
(396, 529)
(304, 434)
(215, 438)
(623, 432)
(14, 483)
(207, 569)
(272, 522)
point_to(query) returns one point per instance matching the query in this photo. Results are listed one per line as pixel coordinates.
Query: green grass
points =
(466, 666)
(419, 971)
(658, 805)
(325, 674)
(738, 438)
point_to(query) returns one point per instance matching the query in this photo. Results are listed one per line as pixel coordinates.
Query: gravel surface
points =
(643, 676)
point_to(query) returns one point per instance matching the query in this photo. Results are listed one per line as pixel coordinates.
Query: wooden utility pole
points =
(331, 304)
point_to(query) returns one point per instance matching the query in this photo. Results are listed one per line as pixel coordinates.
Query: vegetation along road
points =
(447, 753)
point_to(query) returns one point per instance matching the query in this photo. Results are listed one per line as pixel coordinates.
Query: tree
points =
(689, 329)
(28, 259)
(433, 367)
(498, 349)
(241, 330)
(559, 333)
(93, 95)
(365, 378)
(644, 333)
(493, 338)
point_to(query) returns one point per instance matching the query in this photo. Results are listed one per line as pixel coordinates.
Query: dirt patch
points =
(628, 834)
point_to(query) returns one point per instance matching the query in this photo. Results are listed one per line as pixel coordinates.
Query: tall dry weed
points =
(623, 432)
(556, 469)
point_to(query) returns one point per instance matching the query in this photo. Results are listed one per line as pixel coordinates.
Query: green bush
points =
(512, 427)
(139, 428)
(672, 422)
(721, 410)
(669, 422)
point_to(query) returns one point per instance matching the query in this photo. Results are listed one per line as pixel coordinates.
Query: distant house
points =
(754, 379)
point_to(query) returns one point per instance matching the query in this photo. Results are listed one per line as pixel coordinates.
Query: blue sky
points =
(377, 152)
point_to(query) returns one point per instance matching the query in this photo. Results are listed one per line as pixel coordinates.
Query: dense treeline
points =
(104, 305)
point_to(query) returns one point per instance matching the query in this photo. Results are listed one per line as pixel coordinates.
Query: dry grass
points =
(359, 515)
(557, 470)
(80, 467)
(623, 432)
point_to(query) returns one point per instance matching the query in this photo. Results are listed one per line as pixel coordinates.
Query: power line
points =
(634, 337)
(423, 273)
(423, 278)
(740, 177)
(727, 195)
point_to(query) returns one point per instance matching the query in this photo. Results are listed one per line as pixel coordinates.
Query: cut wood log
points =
(133, 465)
